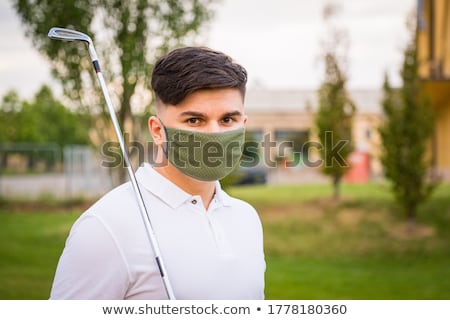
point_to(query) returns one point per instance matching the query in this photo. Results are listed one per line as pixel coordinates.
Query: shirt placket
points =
(222, 243)
(218, 235)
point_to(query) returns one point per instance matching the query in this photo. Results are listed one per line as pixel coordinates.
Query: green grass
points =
(30, 245)
(316, 248)
(358, 278)
(357, 248)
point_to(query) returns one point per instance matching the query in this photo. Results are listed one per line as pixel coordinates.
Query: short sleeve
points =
(91, 265)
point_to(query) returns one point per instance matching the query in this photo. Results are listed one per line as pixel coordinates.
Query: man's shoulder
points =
(120, 198)
(242, 213)
(238, 204)
(117, 211)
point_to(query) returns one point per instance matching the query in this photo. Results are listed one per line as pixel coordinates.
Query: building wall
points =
(365, 130)
(268, 122)
(433, 46)
(433, 39)
(442, 141)
(367, 139)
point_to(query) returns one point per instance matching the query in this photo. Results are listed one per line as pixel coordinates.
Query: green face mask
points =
(204, 156)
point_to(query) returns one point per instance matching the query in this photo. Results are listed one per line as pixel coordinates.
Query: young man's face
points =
(209, 110)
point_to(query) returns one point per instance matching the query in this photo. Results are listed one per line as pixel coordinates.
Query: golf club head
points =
(68, 35)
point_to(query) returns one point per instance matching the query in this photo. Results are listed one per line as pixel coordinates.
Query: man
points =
(211, 243)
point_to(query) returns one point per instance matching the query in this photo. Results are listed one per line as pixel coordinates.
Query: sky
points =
(277, 41)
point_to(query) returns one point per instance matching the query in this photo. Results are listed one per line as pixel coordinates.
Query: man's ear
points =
(156, 130)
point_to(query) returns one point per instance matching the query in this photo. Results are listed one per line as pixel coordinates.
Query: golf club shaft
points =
(142, 207)
(73, 35)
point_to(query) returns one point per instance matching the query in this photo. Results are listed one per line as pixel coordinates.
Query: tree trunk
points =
(124, 119)
(4, 161)
(411, 210)
(122, 173)
(31, 162)
(336, 186)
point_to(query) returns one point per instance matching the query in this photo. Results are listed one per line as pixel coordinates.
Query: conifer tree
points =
(406, 133)
(335, 114)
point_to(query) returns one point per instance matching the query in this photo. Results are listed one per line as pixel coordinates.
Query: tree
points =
(9, 108)
(131, 35)
(335, 114)
(43, 120)
(406, 134)
(46, 119)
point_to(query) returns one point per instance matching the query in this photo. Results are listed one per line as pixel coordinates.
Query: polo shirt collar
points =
(169, 192)
(221, 196)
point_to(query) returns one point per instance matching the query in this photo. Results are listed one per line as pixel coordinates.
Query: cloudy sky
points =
(278, 41)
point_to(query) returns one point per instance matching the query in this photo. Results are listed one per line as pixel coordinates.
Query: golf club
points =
(72, 35)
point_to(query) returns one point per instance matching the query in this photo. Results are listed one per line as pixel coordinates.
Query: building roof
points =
(260, 100)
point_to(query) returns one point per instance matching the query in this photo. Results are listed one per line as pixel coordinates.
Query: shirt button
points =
(194, 201)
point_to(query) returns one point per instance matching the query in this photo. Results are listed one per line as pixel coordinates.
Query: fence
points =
(32, 171)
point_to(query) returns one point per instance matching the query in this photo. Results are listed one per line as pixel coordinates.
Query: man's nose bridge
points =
(213, 126)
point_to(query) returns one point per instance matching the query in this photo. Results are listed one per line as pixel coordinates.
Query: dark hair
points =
(185, 70)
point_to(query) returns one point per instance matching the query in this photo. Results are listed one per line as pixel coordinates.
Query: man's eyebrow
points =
(203, 115)
(192, 114)
(232, 114)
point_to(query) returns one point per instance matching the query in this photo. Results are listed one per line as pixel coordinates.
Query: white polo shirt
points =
(209, 254)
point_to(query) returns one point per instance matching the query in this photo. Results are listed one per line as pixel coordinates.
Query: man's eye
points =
(193, 120)
(227, 120)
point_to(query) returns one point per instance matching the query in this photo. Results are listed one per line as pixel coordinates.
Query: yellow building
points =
(433, 49)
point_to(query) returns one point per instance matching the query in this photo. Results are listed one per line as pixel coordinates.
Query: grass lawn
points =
(316, 248)
(358, 248)
(30, 245)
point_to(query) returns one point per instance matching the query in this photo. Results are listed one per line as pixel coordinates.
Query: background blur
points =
(358, 244)
(285, 34)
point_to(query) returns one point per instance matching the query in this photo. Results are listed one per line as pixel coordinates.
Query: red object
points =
(359, 171)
